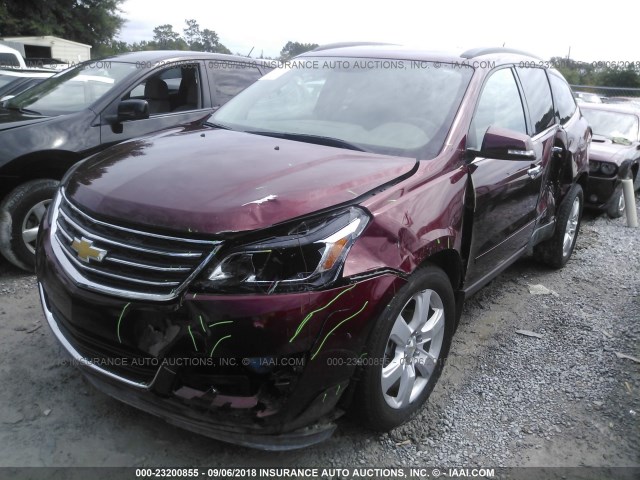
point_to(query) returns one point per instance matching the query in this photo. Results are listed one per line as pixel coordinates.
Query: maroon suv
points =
(308, 249)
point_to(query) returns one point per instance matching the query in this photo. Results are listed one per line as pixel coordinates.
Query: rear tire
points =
(20, 214)
(406, 351)
(556, 251)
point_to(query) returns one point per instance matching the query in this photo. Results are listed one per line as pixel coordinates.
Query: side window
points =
(230, 78)
(565, 104)
(173, 89)
(538, 94)
(500, 105)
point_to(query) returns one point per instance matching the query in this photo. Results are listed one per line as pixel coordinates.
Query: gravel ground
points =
(560, 398)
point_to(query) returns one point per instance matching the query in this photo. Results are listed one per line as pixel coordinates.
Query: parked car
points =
(308, 248)
(586, 97)
(15, 81)
(630, 101)
(614, 155)
(11, 58)
(85, 109)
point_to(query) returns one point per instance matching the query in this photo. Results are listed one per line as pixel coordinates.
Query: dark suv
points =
(308, 249)
(48, 128)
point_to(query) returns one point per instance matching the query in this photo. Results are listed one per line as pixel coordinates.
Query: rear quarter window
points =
(229, 79)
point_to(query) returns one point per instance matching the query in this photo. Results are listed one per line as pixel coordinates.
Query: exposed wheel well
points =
(451, 263)
(582, 181)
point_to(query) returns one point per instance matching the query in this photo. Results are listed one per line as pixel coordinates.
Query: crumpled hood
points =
(604, 150)
(211, 181)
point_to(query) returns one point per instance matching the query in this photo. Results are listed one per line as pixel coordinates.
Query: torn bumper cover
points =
(174, 410)
(265, 371)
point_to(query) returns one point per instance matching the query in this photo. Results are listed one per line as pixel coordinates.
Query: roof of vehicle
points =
(155, 56)
(498, 55)
(27, 72)
(612, 107)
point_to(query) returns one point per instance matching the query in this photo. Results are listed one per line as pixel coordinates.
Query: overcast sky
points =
(593, 31)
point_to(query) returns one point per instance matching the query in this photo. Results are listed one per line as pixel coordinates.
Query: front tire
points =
(20, 215)
(406, 351)
(556, 251)
(616, 204)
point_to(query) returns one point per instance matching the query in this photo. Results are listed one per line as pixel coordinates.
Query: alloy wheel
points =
(413, 349)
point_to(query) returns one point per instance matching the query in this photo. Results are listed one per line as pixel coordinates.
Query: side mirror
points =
(507, 145)
(133, 109)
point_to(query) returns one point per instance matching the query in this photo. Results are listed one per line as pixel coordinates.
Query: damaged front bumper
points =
(265, 371)
(173, 409)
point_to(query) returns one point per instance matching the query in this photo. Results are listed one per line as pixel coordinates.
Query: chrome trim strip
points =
(81, 281)
(137, 232)
(145, 266)
(77, 356)
(100, 238)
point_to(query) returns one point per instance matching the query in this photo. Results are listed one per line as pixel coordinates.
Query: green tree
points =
(211, 42)
(93, 22)
(166, 39)
(619, 77)
(193, 35)
(292, 49)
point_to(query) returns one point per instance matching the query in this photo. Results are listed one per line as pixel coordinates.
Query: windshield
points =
(73, 90)
(6, 79)
(613, 125)
(394, 107)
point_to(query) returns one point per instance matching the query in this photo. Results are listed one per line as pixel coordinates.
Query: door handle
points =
(557, 152)
(534, 172)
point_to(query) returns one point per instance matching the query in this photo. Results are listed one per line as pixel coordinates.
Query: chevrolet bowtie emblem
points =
(86, 251)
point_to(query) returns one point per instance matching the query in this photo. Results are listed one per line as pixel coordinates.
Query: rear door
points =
(544, 129)
(227, 79)
(506, 191)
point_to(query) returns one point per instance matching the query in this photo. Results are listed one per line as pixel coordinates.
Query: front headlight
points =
(594, 166)
(307, 255)
(608, 169)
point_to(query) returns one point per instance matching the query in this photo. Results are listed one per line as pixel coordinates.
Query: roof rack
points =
(476, 52)
(329, 46)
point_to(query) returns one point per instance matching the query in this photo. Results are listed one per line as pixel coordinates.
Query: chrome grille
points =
(122, 261)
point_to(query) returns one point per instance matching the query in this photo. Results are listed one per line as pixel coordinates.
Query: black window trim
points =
(479, 96)
(551, 73)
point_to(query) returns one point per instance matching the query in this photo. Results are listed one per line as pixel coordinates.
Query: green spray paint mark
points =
(220, 323)
(336, 327)
(363, 355)
(120, 320)
(338, 390)
(324, 397)
(202, 324)
(218, 343)
(438, 240)
(311, 314)
(192, 338)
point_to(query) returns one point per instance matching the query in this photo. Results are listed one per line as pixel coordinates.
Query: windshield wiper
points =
(217, 125)
(621, 141)
(22, 110)
(316, 139)
(614, 140)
